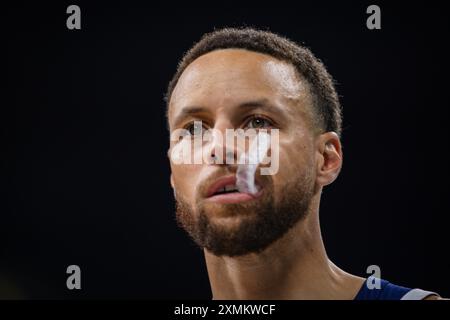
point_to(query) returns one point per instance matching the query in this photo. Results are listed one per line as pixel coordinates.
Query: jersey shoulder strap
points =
(389, 291)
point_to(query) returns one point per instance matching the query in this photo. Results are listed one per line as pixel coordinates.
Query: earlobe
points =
(171, 181)
(173, 186)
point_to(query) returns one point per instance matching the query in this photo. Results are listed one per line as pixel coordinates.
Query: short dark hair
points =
(325, 99)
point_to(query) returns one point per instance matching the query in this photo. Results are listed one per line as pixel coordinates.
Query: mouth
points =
(224, 190)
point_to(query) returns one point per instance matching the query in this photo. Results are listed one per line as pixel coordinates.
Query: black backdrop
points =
(84, 173)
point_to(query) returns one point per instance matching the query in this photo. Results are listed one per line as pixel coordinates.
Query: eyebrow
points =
(189, 111)
(247, 105)
(256, 104)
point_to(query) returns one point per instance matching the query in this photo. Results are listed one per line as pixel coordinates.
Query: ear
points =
(171, 181)
(329, 160)
(171, 176)
(173, 186)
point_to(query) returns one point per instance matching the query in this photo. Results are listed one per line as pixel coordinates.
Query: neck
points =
(293, 267)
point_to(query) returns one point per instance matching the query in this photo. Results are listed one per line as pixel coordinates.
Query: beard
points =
(249, 227)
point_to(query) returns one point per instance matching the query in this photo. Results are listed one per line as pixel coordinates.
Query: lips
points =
(224, 190)
(222, 184)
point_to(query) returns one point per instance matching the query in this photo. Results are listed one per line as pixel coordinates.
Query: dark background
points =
(84, 173)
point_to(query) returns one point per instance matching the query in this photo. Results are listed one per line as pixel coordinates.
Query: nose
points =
(223, 150)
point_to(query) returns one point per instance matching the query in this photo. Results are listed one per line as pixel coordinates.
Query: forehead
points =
(230, 76)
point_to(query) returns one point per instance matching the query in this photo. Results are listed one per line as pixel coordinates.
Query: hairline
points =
(313, 116)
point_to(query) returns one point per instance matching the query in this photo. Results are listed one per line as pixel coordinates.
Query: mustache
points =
(202, 188)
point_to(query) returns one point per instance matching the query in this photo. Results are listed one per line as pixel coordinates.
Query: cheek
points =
(185, 178)
(296, 162)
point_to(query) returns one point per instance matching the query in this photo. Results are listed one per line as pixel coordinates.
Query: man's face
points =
(239, 89)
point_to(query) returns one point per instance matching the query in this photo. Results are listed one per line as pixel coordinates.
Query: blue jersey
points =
(389, 291)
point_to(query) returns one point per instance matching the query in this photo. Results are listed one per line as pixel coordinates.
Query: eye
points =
(258, 122)
(195, 128)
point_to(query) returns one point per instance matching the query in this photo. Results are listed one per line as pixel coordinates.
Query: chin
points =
(227, 211)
